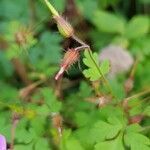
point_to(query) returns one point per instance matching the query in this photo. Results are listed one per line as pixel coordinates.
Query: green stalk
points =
(138, 95)
(100, 72)
(51, 8)
(98, 68)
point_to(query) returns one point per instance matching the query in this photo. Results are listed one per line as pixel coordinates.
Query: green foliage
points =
(89, 5)
(111, 145)
(49, 43)
(137, 27)
(147, 111)
(4, 96)
(92, 118)
(135, 140)
(69, 142)
(6, 66)
(108, 22)
(50, 100)
(106, 130)
(13, 9)
(94, 71)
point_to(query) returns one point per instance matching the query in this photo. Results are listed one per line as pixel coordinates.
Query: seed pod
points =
(64, 27)
(70, 57)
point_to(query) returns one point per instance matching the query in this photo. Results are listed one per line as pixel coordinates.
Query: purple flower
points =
(2, 142)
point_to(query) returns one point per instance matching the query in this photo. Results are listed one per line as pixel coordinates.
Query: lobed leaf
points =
(92, 63)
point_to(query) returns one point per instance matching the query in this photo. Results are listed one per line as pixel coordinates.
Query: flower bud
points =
(70, 57)
(64, 27)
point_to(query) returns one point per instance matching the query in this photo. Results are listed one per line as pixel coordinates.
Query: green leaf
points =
(137, 27)
(23, 136)
(73, 144)
(43, 110)
(5, 126)
(139, 146)
(91, 61)
(106, 130)
(23, 147)
(69, 142)
(136, 107)
(85, 90)
(38, 127)
(4, 96)
(89, 5)
(47, 53)
(81, 118)
(41, 143)
(121, 41)
(117, 89)
(51, 100)
(108, 22)
(5, 65)
(13, 10)
(86, 139)
(132, 139)
(147, 111)
(134, 128)
(145, 1)
(111, 145)
(50, 46)
(111, 111)
(14, 51)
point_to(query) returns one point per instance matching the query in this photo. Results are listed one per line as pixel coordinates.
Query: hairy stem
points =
(85, 46)
(81, 47)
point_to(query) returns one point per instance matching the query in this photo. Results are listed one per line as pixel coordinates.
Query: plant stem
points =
(134, 68)
(32, 11)
(100, 72)
(137, 95)
(13, 128)
(21, 71)
(81, 47)
(51, 8)
(84, 45)
(145, 128)
(79, 40)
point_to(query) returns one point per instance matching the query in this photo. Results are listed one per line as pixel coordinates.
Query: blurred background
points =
(32, 103)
